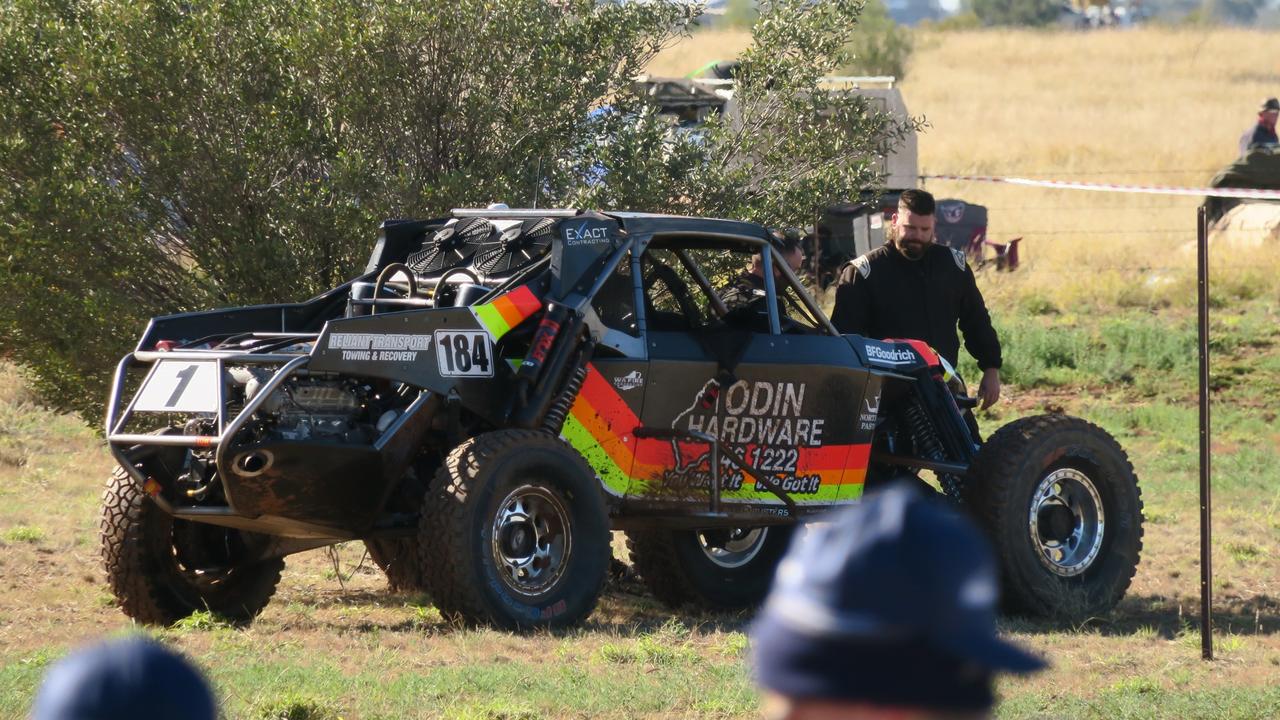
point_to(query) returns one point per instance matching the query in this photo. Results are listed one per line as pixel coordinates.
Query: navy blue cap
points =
(124, 679)
(892, 602)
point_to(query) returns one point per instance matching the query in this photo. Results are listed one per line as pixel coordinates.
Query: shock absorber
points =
(553, 421)
(928, 445)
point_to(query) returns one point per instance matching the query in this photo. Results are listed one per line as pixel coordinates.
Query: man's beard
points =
(912, 249)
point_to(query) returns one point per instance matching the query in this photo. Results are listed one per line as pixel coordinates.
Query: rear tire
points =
(1061, 504)
(398, 559)
(515, 533)
(162, 570)
(730, 572)
(398, 556)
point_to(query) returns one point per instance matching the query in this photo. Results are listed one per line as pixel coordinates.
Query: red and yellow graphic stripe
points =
(601, 427)
(507, 311)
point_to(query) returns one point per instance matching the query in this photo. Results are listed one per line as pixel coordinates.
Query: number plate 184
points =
(464, 353)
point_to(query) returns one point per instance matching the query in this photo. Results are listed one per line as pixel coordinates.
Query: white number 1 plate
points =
(180, 386)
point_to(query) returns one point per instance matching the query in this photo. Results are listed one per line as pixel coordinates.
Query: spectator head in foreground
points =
(886, 609)
(124, 679)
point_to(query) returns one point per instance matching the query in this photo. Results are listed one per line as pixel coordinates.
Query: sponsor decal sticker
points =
(379, 347)
(870, 412)
(890, 355)
(630, 381)
(583, 234)
(761, 420)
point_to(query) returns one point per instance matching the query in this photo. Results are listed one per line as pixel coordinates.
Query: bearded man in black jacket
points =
(913, 288)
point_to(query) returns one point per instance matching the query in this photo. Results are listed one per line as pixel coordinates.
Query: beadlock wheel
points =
(531, 543)
(1060, 502)
(1067, 521)
(716, 569)
(732, 548)
(515, 533)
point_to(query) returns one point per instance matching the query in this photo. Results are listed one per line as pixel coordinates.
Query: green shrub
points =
(1015, 12)
(169, 156)
(880, 46)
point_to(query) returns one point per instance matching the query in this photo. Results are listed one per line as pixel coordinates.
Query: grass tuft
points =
(669, 645)
(202, 621)
(294, 707)
(1244, 552)
(23, 534)
(1136, 686)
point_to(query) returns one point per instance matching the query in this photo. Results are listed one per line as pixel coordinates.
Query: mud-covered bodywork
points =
(305, 420)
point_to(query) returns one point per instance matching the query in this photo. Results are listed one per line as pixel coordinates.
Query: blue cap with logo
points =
(890, 602)
(124, 679)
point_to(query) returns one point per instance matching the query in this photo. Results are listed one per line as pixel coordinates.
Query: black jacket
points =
(1263, 135)
(884, 295)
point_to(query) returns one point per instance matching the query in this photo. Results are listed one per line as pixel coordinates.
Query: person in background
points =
(914, 288)
(124, 679)
(748, 286)
(1264, 133)
(887, 610)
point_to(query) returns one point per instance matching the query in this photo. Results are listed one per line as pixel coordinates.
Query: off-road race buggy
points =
(500, 389)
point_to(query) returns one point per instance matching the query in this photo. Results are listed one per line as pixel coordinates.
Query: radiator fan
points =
(451, 246)
(515, 247)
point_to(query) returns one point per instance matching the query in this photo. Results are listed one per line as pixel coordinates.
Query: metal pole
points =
(1206, 533)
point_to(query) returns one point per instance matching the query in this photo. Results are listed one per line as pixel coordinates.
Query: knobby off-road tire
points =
(399, 557)
(162, 570)
(729, 572)
(399, 560)
(1060, 502)
(515, 533)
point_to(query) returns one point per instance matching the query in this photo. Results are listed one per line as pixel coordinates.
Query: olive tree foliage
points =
(166, 156)
(880, 45)
(789, 144)
(1016, 12)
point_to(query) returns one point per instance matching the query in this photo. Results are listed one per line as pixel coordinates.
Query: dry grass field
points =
(1145, 107)
(1099, 322)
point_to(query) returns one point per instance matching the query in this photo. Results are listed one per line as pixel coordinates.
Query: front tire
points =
(515, 533)
(714, 569)
(1060, 501)
(161, 569)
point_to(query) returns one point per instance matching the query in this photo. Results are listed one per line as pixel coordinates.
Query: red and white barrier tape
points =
(1114, 188)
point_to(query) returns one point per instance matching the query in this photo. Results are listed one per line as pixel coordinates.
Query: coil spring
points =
(554, 419)
(928, 445)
